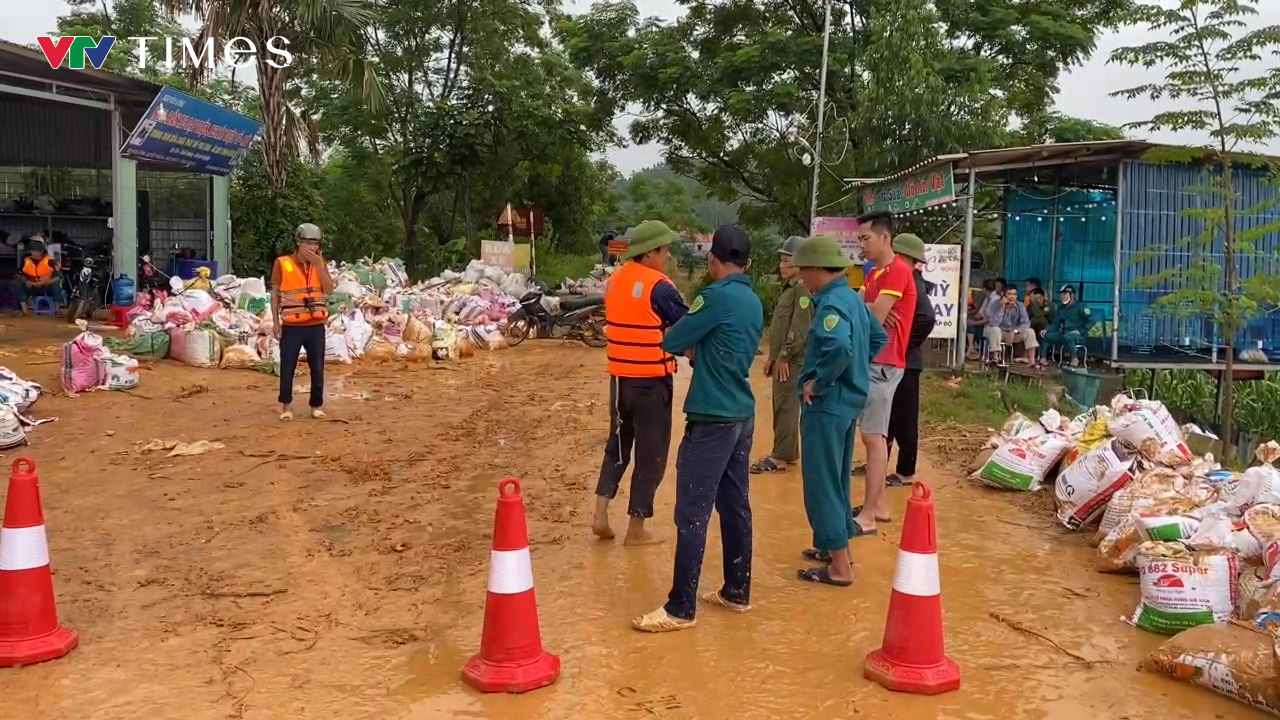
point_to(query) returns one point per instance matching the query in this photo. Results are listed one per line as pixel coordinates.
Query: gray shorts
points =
(874, 419)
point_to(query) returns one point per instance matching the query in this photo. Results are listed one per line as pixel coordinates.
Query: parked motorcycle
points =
(579, 318)
(88, 287)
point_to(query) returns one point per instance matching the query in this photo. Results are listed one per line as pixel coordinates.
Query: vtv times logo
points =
(238, 52)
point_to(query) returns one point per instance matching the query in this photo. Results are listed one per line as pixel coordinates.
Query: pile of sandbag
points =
(1203, 540)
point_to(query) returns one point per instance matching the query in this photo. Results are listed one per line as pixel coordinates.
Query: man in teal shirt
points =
(834, 383)
(719, 335)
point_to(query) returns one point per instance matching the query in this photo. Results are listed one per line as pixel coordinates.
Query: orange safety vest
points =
(301, 299)
(633, 329)
(40, 271)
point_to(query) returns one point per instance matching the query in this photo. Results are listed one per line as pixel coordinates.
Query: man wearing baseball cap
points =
(835, 383)
(640, 304)
(299, 284)
(788, 333)
(904, 417)
(719, 335)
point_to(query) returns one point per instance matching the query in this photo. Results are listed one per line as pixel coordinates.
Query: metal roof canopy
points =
(1023, 161)
(1094, 162)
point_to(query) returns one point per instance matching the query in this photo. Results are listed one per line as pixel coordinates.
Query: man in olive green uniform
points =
(788, 333)
(1070, 327)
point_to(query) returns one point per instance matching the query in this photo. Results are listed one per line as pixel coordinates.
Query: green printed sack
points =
(152, 345)
(1182, 588)
(1023, 463)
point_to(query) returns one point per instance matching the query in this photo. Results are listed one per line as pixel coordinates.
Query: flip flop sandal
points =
(715, 598)
(860, 469)
(821, 575)
(816, 555)
(661, 621)
(857, 510)
(766, 465)
(859, 531)
(894, 480)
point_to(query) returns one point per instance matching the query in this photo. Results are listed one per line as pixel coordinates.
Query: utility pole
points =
(822, 111)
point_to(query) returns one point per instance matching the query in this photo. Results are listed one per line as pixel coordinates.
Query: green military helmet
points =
(820, 252)
(791, 245)
(909, 245)
(648, 235)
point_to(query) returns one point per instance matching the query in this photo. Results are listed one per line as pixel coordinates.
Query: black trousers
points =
(293, 339)
(904, 422)
(712, 470)
(640, 421)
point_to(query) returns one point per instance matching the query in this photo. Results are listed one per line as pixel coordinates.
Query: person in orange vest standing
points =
(299, 284)
(39, 277)
(640, 303)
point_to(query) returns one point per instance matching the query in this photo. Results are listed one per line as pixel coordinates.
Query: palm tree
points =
(325, 36)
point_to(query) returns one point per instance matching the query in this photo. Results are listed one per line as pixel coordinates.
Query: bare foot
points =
(600, 526)
(641, 537)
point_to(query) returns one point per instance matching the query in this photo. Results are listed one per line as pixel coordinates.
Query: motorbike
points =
(88, 286)
(579, 318)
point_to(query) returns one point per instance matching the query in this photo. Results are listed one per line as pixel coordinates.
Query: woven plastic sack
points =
(12, 433)
(1023, 464)
(150, 346)
(1228, 659)
(82, 366)
(197, 347)
(1183, 588)
(1084, 488)
(122, 372)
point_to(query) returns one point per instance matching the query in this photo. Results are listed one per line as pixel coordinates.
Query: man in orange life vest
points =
(299, 284)
(639, 305)
(39, 277)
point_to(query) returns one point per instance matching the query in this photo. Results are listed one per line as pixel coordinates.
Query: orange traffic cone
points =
(29, 630)
(511, 658)
(912, 658)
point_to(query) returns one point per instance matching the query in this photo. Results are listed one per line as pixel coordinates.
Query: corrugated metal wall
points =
(51, 134)
(1154, 238)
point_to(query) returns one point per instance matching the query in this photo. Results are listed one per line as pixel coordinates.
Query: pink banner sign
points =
(844, 229)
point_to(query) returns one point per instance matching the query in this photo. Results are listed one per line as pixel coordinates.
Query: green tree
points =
(729, 89)
(482, 110)
(326, 37)
(1207, 42)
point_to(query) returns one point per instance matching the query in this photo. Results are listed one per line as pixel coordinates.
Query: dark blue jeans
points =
(712, 468)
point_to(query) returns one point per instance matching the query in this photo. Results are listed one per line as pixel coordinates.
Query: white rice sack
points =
(122, 371)
(1084, 487)
(1182, 589)
(12, 433)
(473, 272)
(1235, 662)
(1150, 419)
(196, 347)
(1023, 464)
(335, 348)
(17, 393)
(197, 302)
(357, 331)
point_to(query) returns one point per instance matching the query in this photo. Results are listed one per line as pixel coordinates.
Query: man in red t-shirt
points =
(890, 294)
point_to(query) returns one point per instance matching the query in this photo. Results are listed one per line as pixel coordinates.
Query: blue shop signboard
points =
(181, 130)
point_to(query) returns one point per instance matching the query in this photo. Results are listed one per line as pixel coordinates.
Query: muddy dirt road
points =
(336, 570)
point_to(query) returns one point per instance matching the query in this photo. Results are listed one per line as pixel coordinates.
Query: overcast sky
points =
(1084, 90)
